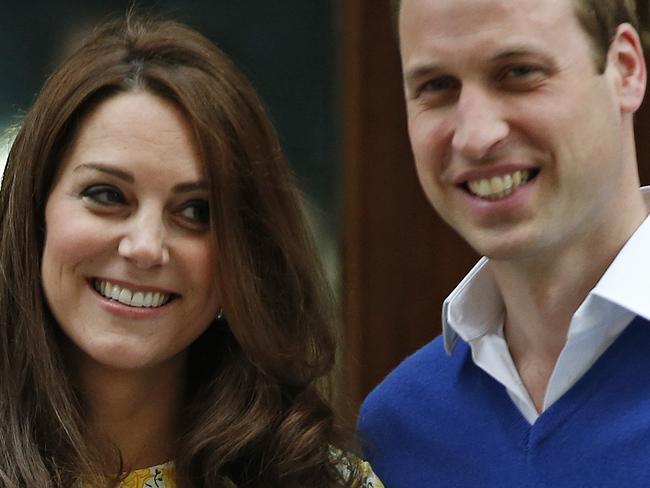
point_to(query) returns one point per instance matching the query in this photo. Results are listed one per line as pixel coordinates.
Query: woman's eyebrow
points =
(108, 169)
(184, 187)
(190, 186)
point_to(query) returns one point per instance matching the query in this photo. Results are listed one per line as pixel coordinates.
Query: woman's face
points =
(129, 259)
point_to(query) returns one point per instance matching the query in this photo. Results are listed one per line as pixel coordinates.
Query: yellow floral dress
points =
(163, 476)
(370, 479)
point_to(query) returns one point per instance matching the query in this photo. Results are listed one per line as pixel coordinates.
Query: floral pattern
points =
(346, 463)
(157, 477)
(163, 476)
(370, 479)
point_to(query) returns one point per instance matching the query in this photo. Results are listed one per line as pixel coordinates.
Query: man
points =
(520, 115)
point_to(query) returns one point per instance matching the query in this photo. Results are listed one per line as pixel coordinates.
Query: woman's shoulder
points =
(350, 465)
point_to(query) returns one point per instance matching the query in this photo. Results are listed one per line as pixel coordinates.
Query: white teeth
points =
(115, 293)
(498, 186)
(147, 299)
(125, 296)
(138, 299)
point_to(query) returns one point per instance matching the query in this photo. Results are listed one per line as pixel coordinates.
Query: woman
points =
(163, 316)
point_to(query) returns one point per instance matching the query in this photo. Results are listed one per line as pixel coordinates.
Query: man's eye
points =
(196, 211)
(103, 195)
(522, 77)
(520, 71)
(444, 83)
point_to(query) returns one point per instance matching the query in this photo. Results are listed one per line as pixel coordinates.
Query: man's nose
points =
(144, 242)
(479, 124)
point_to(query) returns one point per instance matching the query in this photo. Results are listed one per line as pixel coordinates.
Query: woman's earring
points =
(220, 315)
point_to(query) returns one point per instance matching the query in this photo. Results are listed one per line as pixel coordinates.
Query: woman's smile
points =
(132, 295)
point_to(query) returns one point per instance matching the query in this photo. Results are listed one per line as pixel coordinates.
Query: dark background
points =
(287, 48)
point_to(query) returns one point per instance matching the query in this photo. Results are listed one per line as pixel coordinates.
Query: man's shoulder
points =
(421, 375)
(406, 415)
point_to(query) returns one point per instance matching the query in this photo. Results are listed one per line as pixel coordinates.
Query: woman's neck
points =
(137, 412)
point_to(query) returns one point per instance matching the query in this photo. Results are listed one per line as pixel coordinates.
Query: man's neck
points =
(538, 315)
(542, 293)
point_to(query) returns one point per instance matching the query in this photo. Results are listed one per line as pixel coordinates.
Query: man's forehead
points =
(435, 25)
(458, 17)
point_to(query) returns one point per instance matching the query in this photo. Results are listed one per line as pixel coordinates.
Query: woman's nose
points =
(143, 242)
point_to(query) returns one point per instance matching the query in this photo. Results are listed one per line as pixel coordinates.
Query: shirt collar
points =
(475, 307)
(627, 280)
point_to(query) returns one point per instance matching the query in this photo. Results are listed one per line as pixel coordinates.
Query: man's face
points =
(518, 141)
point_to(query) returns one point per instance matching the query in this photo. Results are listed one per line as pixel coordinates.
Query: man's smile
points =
(499, 186)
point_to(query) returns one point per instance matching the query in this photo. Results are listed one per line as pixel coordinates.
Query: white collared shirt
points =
(474, 311)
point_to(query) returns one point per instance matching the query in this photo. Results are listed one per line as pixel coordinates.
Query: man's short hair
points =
(598, 18)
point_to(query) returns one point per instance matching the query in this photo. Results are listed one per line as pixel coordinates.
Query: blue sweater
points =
(440, 421)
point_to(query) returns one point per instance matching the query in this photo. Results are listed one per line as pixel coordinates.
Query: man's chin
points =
(504, 247)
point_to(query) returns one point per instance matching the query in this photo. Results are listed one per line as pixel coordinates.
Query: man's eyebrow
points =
(521, 52)
(419, 71)
(108, 169)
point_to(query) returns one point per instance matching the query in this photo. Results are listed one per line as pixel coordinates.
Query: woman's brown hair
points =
(253, 415)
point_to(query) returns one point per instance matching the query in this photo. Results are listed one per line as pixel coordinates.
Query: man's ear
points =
(625, 58)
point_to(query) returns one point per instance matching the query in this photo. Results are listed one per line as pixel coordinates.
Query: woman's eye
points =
(103, 195)
(196, 211)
